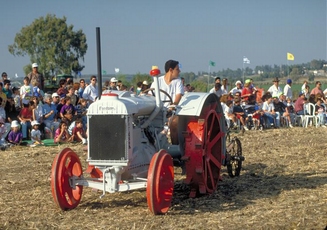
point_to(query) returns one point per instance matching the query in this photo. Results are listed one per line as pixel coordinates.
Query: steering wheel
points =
(164, 92)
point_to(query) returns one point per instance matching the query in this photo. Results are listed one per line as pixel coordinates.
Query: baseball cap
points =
(289, 81)
(300, 94)
(34, 65)
(113, 79)
(145, 83)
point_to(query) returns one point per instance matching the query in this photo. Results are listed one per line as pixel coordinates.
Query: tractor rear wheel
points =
(160, 183)
(203, 153)
(65, 166)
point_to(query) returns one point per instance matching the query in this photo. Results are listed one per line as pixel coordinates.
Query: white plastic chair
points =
(311, 114)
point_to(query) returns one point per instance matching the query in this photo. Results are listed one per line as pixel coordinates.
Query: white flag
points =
(16, 75)
(246, 60)
(116, 70)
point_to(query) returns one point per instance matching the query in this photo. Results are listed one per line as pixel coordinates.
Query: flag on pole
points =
(246, 60)
(212, 63)
(290, 57)
(116, 70)
(104, 72)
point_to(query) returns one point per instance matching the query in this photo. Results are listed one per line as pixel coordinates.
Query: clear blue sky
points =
(138, 34)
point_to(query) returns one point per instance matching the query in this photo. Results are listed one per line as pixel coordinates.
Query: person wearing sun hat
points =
(275, 89)
(35, 134)
(15, 136)
(237, 88)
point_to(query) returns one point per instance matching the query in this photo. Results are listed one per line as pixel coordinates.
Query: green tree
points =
(51, 43)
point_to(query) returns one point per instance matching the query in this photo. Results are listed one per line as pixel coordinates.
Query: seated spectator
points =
(71, 94)
(247, 91)
(4, 130)
(237, 88)
(67, 111)
(298, 106)
(320, 112)
(78, 132)
(36, 90)
(35, 134)
(38, 113)
(229, 115)
(269, 111)
(15, 136)
(62, 135)
(240, 114)
(62, 91)
(81, 110)
(281, 111)
(26, 117)
(290, 109)
(49, 117)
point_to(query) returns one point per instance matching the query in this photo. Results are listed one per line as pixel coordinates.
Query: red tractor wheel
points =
(203, 152)
(65, 166)
(160, 183)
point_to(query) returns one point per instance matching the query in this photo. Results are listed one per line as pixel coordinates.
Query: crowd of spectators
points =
(30, 114)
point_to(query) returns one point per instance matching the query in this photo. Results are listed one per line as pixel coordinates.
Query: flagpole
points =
(208, 78)
(243, 71)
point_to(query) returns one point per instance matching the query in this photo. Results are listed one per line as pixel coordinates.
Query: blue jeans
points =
(25, 126)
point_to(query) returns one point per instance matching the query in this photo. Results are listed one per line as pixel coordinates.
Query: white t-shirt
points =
(175, 87)
(268, 107)
(90, 93)
(235, 90)
(26, 93)
(218, 92)
(288, 91)
(224, 91)
(274, 90)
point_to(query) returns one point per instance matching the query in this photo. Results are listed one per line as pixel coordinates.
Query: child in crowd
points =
(36, 90)
(2, 110)
(35, 134)
(240, 114)
(67, 111)
(81, 109)
(17, 100)
(26, 117)
(78, 132)
(62, 135)
(15, 136)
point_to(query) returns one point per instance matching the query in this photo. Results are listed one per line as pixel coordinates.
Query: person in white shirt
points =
(288, 89)
(275, 90)
(269, 110)
(305, 83)
(91, 92)
(237, 88)
(216, 90)
(171, 83)
(224, 86)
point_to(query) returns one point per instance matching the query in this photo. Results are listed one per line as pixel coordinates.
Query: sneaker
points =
(246, 128)
(291, 126)
(324, 126)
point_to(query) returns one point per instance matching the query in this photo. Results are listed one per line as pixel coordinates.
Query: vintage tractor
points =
(129, 149)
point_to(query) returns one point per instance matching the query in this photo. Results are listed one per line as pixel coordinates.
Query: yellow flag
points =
(290, 57)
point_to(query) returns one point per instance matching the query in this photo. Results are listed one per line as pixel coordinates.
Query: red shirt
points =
(246, 91)
(298, 106)
(81, 131)
(26, 113)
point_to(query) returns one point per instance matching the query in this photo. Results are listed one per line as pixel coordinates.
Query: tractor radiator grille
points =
(107, 137)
